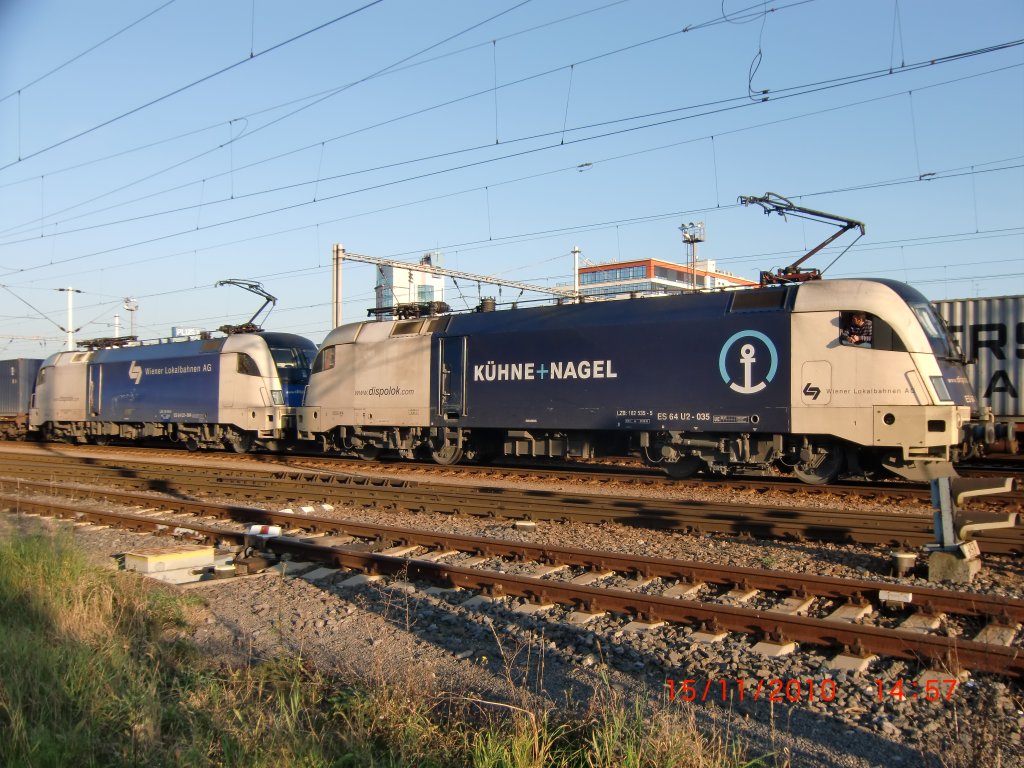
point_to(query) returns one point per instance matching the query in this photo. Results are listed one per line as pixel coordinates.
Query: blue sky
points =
(150, 149)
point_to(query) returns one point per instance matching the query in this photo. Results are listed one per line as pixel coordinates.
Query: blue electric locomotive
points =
(237, 391)
(716, 381)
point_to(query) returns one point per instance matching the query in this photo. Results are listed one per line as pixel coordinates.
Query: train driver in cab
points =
(857, 330)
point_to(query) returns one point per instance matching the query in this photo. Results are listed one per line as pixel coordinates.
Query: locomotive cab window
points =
(759, 300)
(862, 329)
(292, 364)
(935, 329)
(324, 360)
(247, 366)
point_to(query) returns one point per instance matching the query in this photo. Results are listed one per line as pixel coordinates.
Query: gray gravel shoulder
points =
(428, 643)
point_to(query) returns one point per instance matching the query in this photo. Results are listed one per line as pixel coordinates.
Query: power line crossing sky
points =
(151, 150)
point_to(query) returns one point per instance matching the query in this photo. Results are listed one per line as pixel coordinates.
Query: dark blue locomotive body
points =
(166, 382)
(675, 363)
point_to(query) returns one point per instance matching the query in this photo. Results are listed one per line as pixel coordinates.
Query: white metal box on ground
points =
(172, 558)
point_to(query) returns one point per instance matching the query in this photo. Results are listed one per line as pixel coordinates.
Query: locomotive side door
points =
(452, 384)
(94, 404)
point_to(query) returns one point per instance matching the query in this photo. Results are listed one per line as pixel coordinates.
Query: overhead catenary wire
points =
(191, 85)
(369, 295)
(491, 241)
(736, 103)
(475, 245)
(720, 134)
(329, 94)
(390, 71)
(35, 309)
(247, 134)
(90, 49)
(451, 228)
(321, 96)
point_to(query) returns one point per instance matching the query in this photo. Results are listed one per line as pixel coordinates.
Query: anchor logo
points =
(747, 358)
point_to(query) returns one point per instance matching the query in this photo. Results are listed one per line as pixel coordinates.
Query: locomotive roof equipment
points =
(773, 203)
(251, 326)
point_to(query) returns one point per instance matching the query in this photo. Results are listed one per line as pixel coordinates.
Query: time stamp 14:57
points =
(930, 690)
(779, 690)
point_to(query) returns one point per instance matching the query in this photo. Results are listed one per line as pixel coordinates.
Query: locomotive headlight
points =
(277, 396)
(941, 389)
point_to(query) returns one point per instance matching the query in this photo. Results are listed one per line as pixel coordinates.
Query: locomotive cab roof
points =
(201, 344)
(876, 296)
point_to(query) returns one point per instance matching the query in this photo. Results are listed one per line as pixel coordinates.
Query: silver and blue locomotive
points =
(729, 381)
(237, 391)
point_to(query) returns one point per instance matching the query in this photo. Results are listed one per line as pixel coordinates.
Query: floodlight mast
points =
(773, 203)
(131, 306)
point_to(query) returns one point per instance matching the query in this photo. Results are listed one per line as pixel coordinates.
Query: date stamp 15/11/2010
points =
(794, 690)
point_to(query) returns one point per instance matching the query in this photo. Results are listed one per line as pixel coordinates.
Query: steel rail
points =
(929, 600)
(590, 474)
(859, 639)
(763, 521)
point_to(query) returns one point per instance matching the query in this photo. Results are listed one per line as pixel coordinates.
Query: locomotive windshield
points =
(935, 330)
(293, 364)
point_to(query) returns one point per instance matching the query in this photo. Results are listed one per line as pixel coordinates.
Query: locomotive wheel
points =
(687, 466)
(52, 436)
(448, 455)
(369, 453)
(239, 442)
(823, 468)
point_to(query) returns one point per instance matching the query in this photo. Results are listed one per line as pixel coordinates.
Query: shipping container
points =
(17, 379)
(990, 330)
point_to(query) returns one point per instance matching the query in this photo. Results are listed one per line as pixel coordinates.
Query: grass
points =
(94, 672)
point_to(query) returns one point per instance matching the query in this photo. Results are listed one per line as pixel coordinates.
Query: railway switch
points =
(955, 556)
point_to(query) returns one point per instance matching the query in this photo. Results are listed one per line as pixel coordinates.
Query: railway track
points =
(818, 611)
(287, 487)
(638, 475)
(615, 476)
